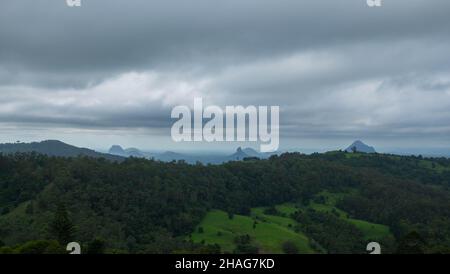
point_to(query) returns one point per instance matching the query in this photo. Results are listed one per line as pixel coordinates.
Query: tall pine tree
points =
(61, 227)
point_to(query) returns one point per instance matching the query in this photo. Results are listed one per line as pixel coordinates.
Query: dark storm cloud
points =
(336, 68)
(45, 42)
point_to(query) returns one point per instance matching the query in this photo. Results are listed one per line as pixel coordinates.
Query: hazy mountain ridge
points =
(168, 156)
(117, 153)
(55, 148)
(359, 146)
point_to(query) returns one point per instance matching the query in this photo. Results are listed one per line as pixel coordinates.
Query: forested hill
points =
(140, 205)
(55, 148)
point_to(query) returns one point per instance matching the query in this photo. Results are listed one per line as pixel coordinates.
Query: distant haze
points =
(110, 71)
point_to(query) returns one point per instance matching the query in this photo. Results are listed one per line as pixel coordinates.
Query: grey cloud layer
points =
(336, 68)
(112, 36)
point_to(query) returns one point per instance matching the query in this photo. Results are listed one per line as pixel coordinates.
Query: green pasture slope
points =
(371, 231)
(271, 231)
(268, 234)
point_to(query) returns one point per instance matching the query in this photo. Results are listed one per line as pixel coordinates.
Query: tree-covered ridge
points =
(148, 206)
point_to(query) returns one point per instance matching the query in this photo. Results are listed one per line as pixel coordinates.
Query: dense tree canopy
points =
(148, 206)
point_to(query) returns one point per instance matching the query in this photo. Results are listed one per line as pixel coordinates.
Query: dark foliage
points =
(147, 206)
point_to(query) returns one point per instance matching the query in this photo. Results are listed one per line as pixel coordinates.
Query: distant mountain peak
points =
(359, 146)
(238, 155)
(251, 152)
(116, 150)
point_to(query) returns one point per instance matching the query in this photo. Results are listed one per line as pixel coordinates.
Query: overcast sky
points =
(110, 71)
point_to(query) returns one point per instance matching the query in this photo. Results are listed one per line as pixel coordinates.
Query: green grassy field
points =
(433, 166)
(371, 231)
(18, 220)
(272, 231)
(269, 233)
